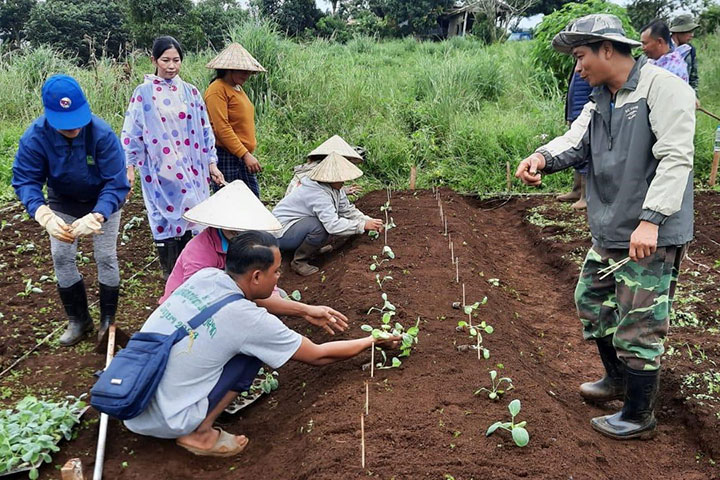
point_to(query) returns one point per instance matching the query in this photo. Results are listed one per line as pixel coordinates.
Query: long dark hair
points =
(219, 74)
(163, 43)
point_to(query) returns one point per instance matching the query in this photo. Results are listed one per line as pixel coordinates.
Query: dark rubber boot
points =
(300, 263)
(612, 385)
(637, 417)
(573, 194)
(108, 307)
(167, 254)
(581, 204)
(74, 300)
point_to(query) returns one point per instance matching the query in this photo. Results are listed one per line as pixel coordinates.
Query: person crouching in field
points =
(333, 144)
(637, 135)
(319, 208)
(78, 156)
(205, 374)
(209, 249)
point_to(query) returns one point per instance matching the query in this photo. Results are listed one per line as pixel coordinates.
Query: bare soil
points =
(424, 420)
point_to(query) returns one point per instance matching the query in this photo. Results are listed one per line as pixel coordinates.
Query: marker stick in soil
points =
(457, 269)
(452, 252)
(367, 398)
(372, 360)
(446, 226)
(463, 295)
(362, 439)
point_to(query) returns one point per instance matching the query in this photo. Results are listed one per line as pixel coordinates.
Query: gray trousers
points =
(308, 229)
(104, 252)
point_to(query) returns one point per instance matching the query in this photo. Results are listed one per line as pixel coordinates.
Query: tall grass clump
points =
(459, 110)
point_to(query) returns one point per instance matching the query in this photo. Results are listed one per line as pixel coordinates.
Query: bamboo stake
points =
(367, 398)
(714, 168)
(463, 295)
(446, 226)
(372, 360)
(413, 177)
(362, 439)
(452, 252)
(449, 239)
(457, 269)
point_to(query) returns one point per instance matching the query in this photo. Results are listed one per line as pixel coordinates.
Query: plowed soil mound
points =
(424, 420)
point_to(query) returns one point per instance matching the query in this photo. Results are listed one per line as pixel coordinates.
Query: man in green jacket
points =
(636, 133)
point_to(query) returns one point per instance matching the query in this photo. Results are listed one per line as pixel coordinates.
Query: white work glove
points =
(87, 225)
(54, 225)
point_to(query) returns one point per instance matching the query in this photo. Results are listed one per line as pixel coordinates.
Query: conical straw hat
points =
(335, 144)
(335, 168)
(233, 207)
(235, 57)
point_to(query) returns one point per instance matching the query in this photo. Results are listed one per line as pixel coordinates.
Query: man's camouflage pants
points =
(632, 304)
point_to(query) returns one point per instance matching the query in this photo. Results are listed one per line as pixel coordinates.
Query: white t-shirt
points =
(180, 403)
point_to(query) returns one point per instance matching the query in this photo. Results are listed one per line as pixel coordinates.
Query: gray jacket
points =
(640, 153)
(330, 206)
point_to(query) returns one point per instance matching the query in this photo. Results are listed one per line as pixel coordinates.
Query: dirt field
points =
(424, 420)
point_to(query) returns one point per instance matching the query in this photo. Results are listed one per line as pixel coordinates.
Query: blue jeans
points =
(308, 229)
(237, 376)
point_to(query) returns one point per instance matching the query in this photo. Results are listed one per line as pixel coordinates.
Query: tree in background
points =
(546, 7)
(642, 12)
(293, 17)
(14, 14)
(149, 19)
(503, 15)
(556, 63)
(77, 27)
(710, 20)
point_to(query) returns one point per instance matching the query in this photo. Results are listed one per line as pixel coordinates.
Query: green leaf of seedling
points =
(295, 295)
(468, 310)
(413, 331)
(489, 329)
(492, 428)
(462, 324)
(473, 331)
(388, 251)
(486, 353)
(520, 436)
(493, 375)
(373, 267)
(396, 362)
(384, 296)
(492, 395)
(34, 474)
(399, 327)
(366, 328)
(521, 424)
(376, 333)
(514, 407)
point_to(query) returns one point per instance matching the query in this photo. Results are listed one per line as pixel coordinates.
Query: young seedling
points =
(296, 295)
(373, 234)
(29, 288)
(386, 330)
(475, 331)
(495, 392)
(386, 308)
(377, 261)
(519, 435)
(381, 281)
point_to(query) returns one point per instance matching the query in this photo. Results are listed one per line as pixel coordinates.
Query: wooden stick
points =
(367, 398)
(478, 346)
(463, 295)
(509, 177)
(413, 177)
(362, 439)
(372, 360)
(457, 269)
(446, 226)
(102, 436)
(708, 113)
(449, 240)
(714, 168)
(452, 252)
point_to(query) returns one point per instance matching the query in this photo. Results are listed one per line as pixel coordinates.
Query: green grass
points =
(457, 109)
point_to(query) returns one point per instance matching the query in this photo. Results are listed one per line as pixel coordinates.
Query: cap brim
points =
(684, 28)
(564, 42)
(77, 118)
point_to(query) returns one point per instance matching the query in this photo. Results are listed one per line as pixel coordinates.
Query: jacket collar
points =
(59, 140)
(601, 95)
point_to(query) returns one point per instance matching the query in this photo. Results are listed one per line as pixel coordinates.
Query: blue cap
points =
(66, 107)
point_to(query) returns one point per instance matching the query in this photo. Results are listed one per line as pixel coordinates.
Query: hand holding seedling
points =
(374, 224)
(326, 317)
(527, 170)
(386, 343)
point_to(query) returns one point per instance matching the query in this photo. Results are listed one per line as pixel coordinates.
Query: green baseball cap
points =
(683, 23)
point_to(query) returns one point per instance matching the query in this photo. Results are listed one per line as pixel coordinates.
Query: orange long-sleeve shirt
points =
(232, 116)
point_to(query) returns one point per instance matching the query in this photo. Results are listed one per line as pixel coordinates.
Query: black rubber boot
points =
(108, 307)
(612, 385)
(300, 263)
(167, 253)
(637, 417)
(74, 300)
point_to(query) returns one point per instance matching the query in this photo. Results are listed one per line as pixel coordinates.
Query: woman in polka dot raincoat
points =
(167, 137)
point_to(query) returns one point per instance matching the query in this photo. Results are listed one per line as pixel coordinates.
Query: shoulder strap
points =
(206, 313)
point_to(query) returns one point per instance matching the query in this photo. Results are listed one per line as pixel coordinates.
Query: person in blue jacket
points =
(79, 157)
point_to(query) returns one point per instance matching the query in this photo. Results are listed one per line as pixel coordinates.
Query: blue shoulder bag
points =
(127, 385)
